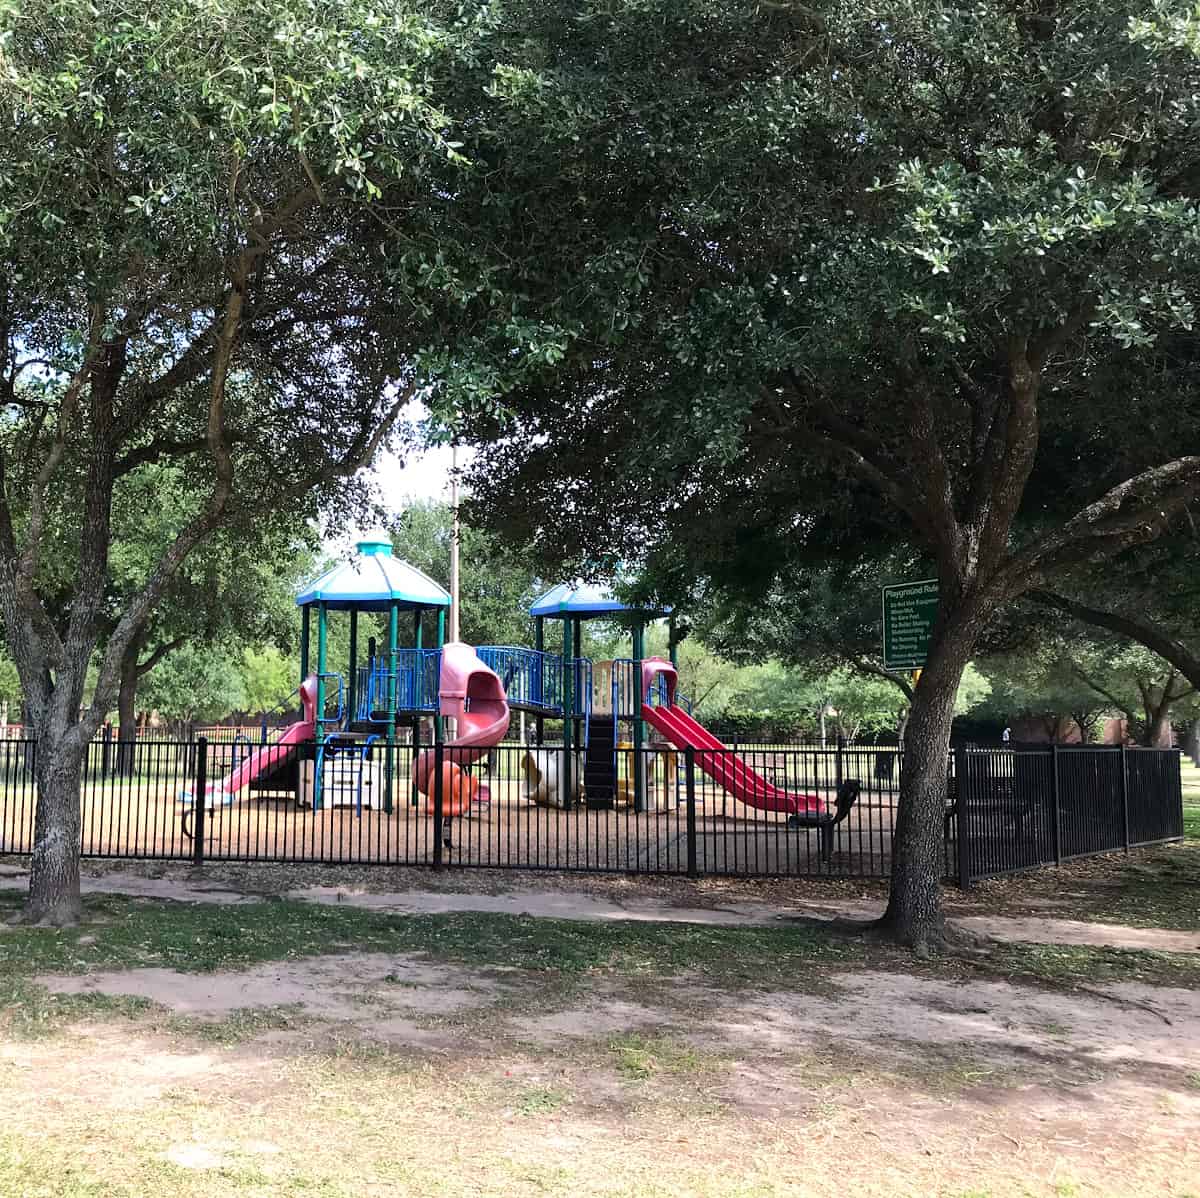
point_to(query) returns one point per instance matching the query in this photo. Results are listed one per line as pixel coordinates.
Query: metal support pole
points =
(962, 823)
(418, 643)
(672, 642)
(200, 800)
(352, 681)
(1125, 795)
(439, 724)
(305, 624)
(689, 766)
(639, 728)
(1056, 807)
(568, 707)
(393, 661)
(539, 694)
(438, 804)
(322, 650)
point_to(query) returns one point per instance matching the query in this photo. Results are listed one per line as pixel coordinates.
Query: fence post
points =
(1055, 807)
(200, 800)
(438, 801)
(1125, 797)
(960, 818)
(837, 770)
(689, 765)
(106, 750)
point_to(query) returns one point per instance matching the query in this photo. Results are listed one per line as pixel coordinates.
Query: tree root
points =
(55, 918)
(941, 939)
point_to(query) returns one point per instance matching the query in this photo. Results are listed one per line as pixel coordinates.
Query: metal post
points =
(439, 724)
(438, 804)
(689, 765)
(539, 696)
(1125, 796)
(1056, 807)
(200, 800)
(567, 712)
(322, 649)
(838, 767)
(393, 637)
(352, 681)
(305, 622)
(454, 545)
(639, 731)
(106, 751)
(580, 700)
(961, 823)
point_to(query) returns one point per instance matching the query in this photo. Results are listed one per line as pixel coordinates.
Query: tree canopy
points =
(917, 269)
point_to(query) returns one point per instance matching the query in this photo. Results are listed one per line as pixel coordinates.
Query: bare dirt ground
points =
(371, 1074)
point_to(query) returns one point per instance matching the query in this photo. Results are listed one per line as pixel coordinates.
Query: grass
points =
(128, 933)
(1191, 820)
(336, 1120)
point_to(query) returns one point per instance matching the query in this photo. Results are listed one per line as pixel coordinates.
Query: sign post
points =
(909, 612)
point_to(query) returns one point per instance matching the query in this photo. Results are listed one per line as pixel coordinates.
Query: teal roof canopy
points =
(372, 581)
(585, 599)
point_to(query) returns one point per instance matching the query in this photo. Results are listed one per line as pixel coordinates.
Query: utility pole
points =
(454, 541)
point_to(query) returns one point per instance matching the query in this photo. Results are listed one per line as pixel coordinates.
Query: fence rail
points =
(1014, 811)
(354, 802)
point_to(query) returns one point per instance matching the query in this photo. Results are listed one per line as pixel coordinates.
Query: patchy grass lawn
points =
(289, 1049)
(1150, 888)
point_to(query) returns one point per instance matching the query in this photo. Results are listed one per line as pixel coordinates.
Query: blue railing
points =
(413, 686)
(534, 679)
(531, 679)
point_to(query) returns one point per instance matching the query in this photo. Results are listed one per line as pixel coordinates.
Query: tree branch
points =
(1144, 633)
(167, 647)
(865, 666)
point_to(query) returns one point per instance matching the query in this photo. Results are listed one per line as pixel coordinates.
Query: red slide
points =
(724, 767)
(262, 761)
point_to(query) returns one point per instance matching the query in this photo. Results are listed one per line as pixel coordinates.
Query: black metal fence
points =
(1013, 811)
(695, 812)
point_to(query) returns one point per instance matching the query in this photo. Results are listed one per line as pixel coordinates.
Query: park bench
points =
(826, 821)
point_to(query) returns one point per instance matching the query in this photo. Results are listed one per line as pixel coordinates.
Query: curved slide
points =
(264, 760)
(474, 696)
(724, 767)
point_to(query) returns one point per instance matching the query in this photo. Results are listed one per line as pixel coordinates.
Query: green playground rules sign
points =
(909, 610)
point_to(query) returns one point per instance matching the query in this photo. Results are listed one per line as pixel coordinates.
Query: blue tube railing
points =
(416, 678)
(533, 678)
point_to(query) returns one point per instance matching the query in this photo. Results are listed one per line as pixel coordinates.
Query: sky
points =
(403, 479)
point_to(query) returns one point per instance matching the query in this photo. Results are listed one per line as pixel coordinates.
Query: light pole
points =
(454, 542)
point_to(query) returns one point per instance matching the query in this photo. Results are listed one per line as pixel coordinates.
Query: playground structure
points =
(623, 723)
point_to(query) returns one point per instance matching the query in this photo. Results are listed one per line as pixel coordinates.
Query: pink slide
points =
(221, 794)
(474, 696)
(724, 767)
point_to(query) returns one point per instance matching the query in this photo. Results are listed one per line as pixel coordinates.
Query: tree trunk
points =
(54, 866)
(127, 709)
(914, 912)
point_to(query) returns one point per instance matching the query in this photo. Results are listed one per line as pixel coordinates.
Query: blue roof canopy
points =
(584, 599)
(372, 581)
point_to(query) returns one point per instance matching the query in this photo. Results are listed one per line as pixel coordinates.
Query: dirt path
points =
(568, 903)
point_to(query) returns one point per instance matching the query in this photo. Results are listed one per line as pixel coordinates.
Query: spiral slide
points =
(474, 696)
(727, 769)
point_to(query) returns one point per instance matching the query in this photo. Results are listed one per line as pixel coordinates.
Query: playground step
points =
(599, 766)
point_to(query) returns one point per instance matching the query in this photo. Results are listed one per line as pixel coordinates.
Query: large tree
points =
(890, 260)
(194, 200)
